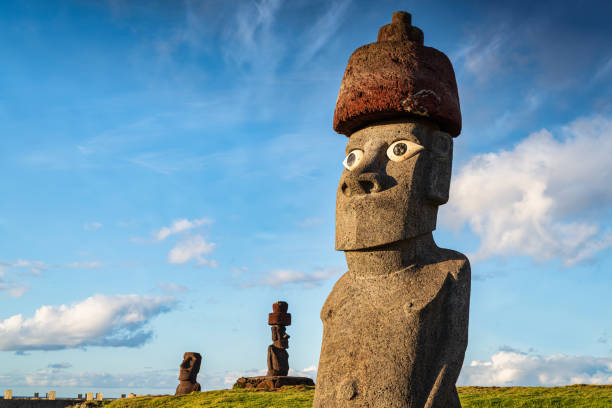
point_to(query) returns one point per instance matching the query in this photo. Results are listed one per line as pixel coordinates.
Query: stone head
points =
(396, 175)
(190, 367)
(399, 106)
(280, 338)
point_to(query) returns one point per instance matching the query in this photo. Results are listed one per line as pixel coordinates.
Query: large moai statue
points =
(190, 367)
(395, 325)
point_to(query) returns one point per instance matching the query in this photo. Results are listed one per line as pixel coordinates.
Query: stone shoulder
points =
(458, 263)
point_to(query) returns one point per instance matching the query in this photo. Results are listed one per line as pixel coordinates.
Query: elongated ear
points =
(441, 151)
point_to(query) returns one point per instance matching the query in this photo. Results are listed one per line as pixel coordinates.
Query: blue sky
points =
(169, 171)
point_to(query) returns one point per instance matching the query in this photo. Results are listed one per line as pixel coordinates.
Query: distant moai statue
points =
(278, 358)
(190, 367)
(395, 325)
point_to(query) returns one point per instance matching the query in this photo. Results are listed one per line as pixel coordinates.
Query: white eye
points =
(352, 159)
(402, 150)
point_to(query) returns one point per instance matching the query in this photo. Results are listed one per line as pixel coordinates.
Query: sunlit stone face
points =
(395, 177)
(190, 367)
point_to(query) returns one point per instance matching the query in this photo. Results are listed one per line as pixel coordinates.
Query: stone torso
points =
(384, 335)
(186, 387)
(278, 361)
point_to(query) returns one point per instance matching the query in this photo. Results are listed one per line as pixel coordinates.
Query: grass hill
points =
(575, 396)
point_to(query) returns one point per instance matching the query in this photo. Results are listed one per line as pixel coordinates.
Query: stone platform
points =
(271, 382)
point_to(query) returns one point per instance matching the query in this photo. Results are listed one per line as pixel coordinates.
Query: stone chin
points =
(381, 201)
(185, 375)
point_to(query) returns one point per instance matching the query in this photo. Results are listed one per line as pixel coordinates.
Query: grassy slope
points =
(576, 396)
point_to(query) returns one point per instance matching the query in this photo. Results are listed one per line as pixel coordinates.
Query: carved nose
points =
(364, 183)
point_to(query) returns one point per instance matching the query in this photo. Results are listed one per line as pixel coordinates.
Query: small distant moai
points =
(278, 358)
(395, 326)
(190, 367)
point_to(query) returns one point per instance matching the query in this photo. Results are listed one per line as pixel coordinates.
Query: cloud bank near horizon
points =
(515, 368)
(100, 320)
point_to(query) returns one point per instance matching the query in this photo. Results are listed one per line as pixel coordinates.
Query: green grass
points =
(575, 396)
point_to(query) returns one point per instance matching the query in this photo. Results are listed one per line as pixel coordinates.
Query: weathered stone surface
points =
(382, 201)
(395, 325)
(279, 315)
(190, 367)
(271, 382)
(398, 77)
(278, 361)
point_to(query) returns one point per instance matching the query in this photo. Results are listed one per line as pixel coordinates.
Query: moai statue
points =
(278, 358)
(189, 373)
(395, 325)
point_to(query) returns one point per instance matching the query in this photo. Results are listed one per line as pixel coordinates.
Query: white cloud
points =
(167, 287)
(281, 277)
(60, 366)
(13, 290)
(85, 265)
(192, 248)
(535, 198)
(107, 321)
(59, 377)
(35, 267)
(515, 368)
(181, 225)
(92, 226)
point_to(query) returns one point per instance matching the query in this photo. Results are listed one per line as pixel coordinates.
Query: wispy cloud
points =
(529, 200)
(59, 377)
(484, 56)
(171, 288)
(105, 321)
(92, 226)
(515, 368)
(281, 277)
(60, 366)
(168, 162)
(34, 267)
(323, 29)
(13, 289)
(181, 225)
(192, 247)
(85, 265)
